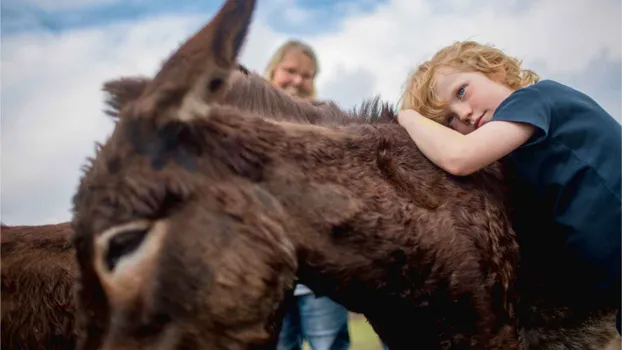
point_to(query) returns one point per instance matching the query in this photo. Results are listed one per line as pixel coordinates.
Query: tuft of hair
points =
(120, 92)
(243, 69)
(464, 56)
(375, 110)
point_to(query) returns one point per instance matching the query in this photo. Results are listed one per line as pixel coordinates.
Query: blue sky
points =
(63, 15)
(56, 54)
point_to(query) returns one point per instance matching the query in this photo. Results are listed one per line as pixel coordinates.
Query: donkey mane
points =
(249, 91)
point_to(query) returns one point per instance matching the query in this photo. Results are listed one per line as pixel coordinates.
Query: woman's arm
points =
(464, 154)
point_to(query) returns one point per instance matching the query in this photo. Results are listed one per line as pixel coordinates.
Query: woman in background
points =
(319, 320)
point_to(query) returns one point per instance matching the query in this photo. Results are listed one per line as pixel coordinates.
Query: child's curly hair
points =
(466, 56)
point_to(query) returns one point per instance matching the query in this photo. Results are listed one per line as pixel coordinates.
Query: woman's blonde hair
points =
(464, 56)
(280, 53)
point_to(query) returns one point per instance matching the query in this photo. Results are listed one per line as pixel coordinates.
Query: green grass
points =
(362, 336)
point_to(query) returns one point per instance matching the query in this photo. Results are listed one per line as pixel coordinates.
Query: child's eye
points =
(461, 92)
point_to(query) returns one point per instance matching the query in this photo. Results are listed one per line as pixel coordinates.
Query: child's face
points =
(473, 97)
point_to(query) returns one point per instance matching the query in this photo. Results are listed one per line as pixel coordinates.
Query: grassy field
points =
(362, 335)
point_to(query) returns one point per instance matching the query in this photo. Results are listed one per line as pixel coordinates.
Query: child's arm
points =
(464, 154)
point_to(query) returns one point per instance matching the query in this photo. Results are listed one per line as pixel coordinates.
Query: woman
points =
(319, 320)
(293, 68)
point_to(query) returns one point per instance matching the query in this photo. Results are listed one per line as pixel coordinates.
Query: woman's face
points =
(295, 74)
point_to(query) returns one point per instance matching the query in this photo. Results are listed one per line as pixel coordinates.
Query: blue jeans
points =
(320, 321)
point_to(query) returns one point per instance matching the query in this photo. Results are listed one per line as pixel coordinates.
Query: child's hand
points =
(407, 114)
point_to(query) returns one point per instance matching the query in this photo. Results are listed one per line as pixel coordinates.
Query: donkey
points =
(38, 301)
(38, 274)
(350, 208)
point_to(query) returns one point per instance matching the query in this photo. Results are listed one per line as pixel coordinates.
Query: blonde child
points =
(472, 105)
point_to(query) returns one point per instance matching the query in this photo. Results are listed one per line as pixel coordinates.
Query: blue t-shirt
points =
(570, 171)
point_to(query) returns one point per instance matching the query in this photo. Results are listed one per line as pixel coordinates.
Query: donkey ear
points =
(197, 74)
(122, 91)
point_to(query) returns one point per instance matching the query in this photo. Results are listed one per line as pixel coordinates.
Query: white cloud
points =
(51, 110)
(566, 35)
(52, 106)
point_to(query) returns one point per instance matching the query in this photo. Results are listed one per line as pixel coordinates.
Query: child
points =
(472, 105)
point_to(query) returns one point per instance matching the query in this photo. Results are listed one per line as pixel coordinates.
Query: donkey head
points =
(198, 72)
(139, 227)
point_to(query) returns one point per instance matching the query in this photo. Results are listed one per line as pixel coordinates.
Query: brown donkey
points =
(38, 264)
(195, 217)
(38, 274)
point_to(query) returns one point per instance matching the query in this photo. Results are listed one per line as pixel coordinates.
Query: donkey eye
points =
(123, 244)
(215, 84)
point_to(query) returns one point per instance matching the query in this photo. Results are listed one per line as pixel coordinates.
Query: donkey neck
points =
(326, 179)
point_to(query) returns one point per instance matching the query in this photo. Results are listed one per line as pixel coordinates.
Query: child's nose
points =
(464, 113)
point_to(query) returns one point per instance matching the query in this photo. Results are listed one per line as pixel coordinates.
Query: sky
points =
(56, 55)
